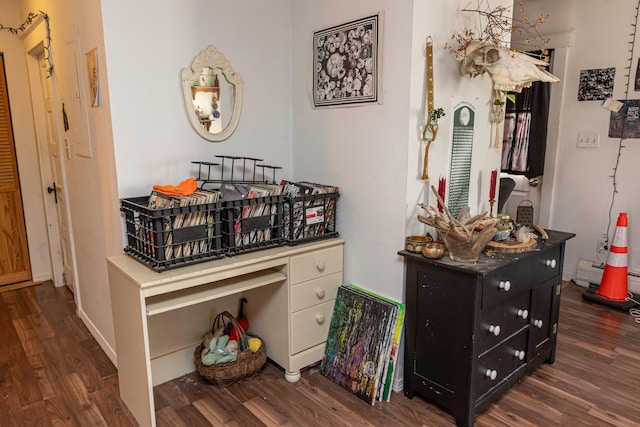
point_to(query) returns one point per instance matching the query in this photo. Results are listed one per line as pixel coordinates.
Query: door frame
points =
(561, 42)
(34, 41)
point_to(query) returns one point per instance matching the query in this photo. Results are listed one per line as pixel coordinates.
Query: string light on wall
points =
(30, 19)
(621, 145)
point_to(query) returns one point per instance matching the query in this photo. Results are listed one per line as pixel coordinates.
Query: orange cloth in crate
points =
(185, 188)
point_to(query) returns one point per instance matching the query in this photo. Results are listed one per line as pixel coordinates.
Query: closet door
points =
(14, 254)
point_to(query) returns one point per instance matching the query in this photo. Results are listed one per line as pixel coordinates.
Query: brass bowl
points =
(415, 243)
(433, 250)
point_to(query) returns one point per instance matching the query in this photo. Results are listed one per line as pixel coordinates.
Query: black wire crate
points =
(175, 236)
(310, 217)
(309, 211)
(252, 223)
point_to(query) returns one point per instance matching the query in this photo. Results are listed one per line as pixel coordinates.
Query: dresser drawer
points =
(501, 362)
(504, 320)
(529, 272)
(315, 291)
(315, 264)
(309, 327)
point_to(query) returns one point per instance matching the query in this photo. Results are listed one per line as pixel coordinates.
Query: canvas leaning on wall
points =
(362, 343)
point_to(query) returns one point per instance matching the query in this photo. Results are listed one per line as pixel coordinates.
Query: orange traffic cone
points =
(614, 279)
(613, 286)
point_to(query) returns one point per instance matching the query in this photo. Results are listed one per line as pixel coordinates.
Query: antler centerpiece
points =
(465, 241)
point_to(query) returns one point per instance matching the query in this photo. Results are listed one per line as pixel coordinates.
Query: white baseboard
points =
(590, 272)
(110, 352)
(41, 277)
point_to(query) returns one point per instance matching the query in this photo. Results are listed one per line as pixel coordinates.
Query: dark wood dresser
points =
(474, 329)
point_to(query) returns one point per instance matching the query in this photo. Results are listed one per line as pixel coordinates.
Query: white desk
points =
(159, 318)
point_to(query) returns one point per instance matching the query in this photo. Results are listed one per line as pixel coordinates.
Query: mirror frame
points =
(211, 57)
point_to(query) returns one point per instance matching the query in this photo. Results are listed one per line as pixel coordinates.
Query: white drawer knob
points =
(320, 265)
(523, 313)
(320, 319)
(519, 354)
(494, 329)
(537, 323)
(491, 373)
(551, 263)
(320, 293)
(505, 284)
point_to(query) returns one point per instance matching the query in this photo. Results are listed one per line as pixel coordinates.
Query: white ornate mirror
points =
(212, 92)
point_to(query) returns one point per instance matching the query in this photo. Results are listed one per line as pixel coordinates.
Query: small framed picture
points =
(93, 74)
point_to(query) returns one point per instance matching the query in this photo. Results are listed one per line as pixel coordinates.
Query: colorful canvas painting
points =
(360, 343)
(395, 343)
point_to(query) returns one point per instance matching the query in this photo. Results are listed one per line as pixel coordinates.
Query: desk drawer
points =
(310, 327)
(315, 264)
(312, 292)
(505, 282)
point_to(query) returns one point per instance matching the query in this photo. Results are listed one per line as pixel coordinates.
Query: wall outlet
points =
(588, 140)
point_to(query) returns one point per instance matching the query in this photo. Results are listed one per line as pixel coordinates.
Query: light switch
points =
(588, 140)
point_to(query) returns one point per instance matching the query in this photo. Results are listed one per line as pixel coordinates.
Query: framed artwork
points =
(347, 63)
(596, 85)
(625, 123)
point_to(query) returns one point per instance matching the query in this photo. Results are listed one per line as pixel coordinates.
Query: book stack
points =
(362, 343)
(253, 215)
(309, 210)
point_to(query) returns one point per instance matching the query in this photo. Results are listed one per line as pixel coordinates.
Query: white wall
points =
(147, 49)
(360, 149)
(583, 185)
(441, 20)
(76, 28)
(373, 153)
(25, 141)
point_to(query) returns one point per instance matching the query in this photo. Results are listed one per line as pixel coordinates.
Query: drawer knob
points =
(494, 329)
(551, 263)
(505, 284)
(523, 313)
(320, 319)
(320, 293)
(519, 354)
(491, 373)
(320, 265)
(537, 323)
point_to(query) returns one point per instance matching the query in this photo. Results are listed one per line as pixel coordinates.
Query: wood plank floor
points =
(53, 373)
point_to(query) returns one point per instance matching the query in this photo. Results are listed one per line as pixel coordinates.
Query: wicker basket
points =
(247, 364)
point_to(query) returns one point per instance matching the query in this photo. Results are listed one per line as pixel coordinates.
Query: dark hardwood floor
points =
(53, 373)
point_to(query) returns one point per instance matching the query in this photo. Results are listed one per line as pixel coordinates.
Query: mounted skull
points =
(509, 70)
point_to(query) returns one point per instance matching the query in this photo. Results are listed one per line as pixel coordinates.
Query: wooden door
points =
(56, 152)
(14, 254)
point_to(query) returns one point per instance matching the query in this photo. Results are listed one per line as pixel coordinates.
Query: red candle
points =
(492, 189)
(442, 184)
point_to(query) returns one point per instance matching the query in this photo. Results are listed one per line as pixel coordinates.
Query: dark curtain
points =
(525, 131)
